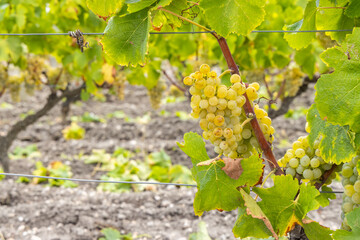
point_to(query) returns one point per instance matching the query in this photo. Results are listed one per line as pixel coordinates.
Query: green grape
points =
(356, 198)
(357, 186)
(326, 166)
(213, 101)
(347, 171)
(251, 93)
(204, 69)
(299, 152)
(219, 120)
(188, 81)
(315, 163)
(296, 145)
(300, 169)
(204, 104)
(222, 92)
(231, 104)
(231, 94)
(290, 171)
(209, 91)
(305, 161)
(353, 179)
(349, 190)
(347, 207)
(308, 174)
(317, 173)
(294, 162)
(246, 133)
(235, 78)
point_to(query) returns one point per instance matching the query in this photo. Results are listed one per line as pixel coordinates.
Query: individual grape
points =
(315, 162)
(231, 94)
(294, 163)
(203, 113)
(224, 145)
(240, 89)
(347, 207)
(259, 112)
(246, 133)
(210, 117)
(236, 111)
(349, 190)
(212, 74)
(200, 83)
(254, 142)
(231, 104)
(296, 145)
(237, 129)
(235, 78)
(305, 161)
(266, 120)
(300, 169)
(209, 91)
(220, 112)
(357, 186)
(204, 104)
(194, 91)
(347, 171)
(251, 93)
(317, 173)
(290, 171)
(195, 100)
(308, 174)
(242, 148)
(233, 154)
(317, 152)
(213, 101)
(353, 179)
(228, 133)
(222, 104)
(326, 166)
(222, 91)
(218, 132)
(219, 120)
(299, 152)
(211, 109)
(204, 69)
(240, 100)
(307, 128)
(255, 85)
(204, 124)
(188, 81)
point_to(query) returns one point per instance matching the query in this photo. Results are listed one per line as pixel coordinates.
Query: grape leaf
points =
(353, 9)
(280, 207)
(315, 231)
(323, 198)
(300, 40)
(338, 93)
(333, 19)
(104, 8)
(306, 58)
(247, 226)
(137, 5)
(125, 38)
(216, 190)
(162, 17)
(233, 16)
(353, 219)
(194, 147)
(147, 76)
(336, 144)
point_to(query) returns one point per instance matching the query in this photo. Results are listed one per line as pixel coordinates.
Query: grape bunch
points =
(119, 84)
(304, 161)
(351, 184)
(222, 119)
(35, 68)
(156, 93)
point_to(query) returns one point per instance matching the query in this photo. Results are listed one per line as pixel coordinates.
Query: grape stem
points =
(245, 122)
(325, 176)
(264, 145)
(225, 72)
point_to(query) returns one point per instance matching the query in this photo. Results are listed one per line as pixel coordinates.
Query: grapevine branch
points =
(173, 82)
(265, 146)
(8, 139)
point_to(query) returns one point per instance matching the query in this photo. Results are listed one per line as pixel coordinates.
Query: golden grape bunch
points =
(222, 119)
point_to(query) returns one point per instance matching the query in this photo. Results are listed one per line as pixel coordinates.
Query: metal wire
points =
(95, 180)
(255, 31)
(105, 181)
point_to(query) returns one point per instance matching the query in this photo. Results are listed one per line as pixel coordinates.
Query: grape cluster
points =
(35, 68)
(119, 84)
(294, 79)
(222, 119)
(351, 183)
(156, 94)
(304, 161)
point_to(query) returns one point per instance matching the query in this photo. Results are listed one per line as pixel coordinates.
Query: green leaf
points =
(216, 190)
(336, 142)
(306, 58)
(353, 10)
(301, 40)
(247, 226)
(233, 16)
(194, 147)
(315, 231)
(147, 76)
(15, 48)
(353, 220)
(202, 233)
(323, 198)
(280, 207)
(338, 93)
(126, 38)
(333, 19)
(161, 18)
(104, 8)
(137, 5)
(111, 234)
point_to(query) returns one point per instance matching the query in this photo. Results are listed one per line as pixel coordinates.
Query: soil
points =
(39, 212)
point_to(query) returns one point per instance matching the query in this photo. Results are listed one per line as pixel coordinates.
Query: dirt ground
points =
(37, 212)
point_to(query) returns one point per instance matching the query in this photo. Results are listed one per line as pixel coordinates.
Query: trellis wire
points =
(106, 181)
(255, 31)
